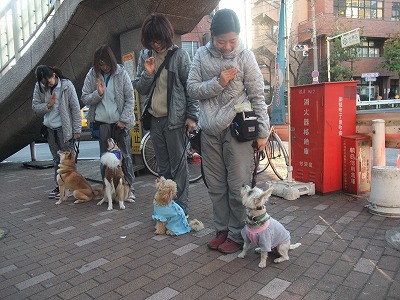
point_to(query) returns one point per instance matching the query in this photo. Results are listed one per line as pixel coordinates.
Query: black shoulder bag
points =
(145, 118)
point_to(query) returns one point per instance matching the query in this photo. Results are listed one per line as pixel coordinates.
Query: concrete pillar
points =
(378, 143)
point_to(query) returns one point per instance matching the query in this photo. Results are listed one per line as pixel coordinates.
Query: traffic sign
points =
(315, 73)
(300, 47)
(370, 78)
(365, 75)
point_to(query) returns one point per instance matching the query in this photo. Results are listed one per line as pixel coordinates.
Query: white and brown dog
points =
(261, 229)
(169, 216)
(115, 185)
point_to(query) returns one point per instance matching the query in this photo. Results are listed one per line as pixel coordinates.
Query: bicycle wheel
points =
(194, 164)
(148, 155)
(277, 156)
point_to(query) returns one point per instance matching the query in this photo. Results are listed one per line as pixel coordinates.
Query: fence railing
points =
(376, 104)
(20, 22)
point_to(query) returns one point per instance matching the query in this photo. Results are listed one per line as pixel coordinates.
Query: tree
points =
(391, 55)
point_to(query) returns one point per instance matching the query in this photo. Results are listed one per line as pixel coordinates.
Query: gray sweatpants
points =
(169, 146)
(227, 166)
(55, 139)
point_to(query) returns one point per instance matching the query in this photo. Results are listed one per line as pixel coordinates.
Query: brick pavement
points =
(83, 251)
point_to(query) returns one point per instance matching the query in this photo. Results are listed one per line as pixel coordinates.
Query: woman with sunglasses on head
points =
(109, 93)
(223, 75)
(55, 98)
(173, 112)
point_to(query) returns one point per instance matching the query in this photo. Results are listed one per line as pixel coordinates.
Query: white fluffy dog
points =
(261, 229)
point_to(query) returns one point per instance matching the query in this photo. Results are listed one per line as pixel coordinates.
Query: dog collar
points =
(259, 220)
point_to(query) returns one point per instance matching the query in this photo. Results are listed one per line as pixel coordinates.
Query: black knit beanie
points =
(224, 21)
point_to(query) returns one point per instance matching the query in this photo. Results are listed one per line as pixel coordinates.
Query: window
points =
(359, 9)
(190, 47)
(396, 11)
(369, 49)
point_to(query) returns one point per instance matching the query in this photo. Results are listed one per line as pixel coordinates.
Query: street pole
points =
(314, 36)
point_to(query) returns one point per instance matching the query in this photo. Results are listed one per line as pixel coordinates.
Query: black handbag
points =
(146, 116)
(244, 126)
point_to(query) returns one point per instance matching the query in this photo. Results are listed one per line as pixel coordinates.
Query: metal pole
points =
(290, 167)
(314, 36)
(33, 151)
(328, 58)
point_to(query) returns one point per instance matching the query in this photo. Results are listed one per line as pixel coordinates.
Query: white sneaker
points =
(131, 198)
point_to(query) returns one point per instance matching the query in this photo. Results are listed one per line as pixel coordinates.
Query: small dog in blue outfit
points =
(169, 216)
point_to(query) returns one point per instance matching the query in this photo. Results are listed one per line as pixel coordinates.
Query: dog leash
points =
(256, 156)
(76, 149)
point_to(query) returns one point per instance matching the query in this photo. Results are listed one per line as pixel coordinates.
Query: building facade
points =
(377, 20)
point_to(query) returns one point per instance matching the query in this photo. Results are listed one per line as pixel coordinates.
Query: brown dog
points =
(70, 179)
(115, 185)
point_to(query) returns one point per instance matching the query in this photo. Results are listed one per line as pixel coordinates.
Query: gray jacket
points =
(180, 105)
(124, 95)
(217, 103)
(71, 119)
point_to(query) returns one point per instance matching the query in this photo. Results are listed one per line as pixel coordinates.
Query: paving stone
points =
(92, 265)
(274, 288)
(34, 280)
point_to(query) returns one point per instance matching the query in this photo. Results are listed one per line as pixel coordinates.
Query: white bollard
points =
(378, 143)
(385, 186)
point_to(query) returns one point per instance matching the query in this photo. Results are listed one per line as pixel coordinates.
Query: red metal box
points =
(320, 115)
(356, 151)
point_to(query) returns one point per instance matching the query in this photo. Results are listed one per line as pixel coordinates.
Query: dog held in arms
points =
(70, 179)
(115, 185)
(261, 229)
(169, 216)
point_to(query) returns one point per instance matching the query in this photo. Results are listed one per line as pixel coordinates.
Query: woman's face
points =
(104, 67)
(50, 82)
(226, 42)
(158, 46)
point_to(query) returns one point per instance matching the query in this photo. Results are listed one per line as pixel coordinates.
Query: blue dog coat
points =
(175, 217)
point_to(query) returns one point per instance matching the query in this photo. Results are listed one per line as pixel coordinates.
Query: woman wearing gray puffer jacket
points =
(224, 74)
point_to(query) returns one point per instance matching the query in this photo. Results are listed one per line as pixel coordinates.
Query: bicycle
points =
(193, 158)
(276, 154)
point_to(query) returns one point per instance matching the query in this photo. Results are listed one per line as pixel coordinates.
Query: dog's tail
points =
(196, 225)
(110, 160)
(294, 246)
(98, 193)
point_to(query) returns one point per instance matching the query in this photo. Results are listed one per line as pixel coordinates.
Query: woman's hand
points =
(226, 76)
(261, 144)
(100, 87)
(51, 101)
(121, 124)
(150, 65)
(190, 124)
(77, 136)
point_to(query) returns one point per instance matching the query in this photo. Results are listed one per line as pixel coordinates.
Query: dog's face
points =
(166, 191)
(66, 156)
(111, 144)
(254, 197)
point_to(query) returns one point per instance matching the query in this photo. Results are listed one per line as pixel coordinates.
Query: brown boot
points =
(229, 246)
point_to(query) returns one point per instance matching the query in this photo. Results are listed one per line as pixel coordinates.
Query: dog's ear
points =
(265, 195)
